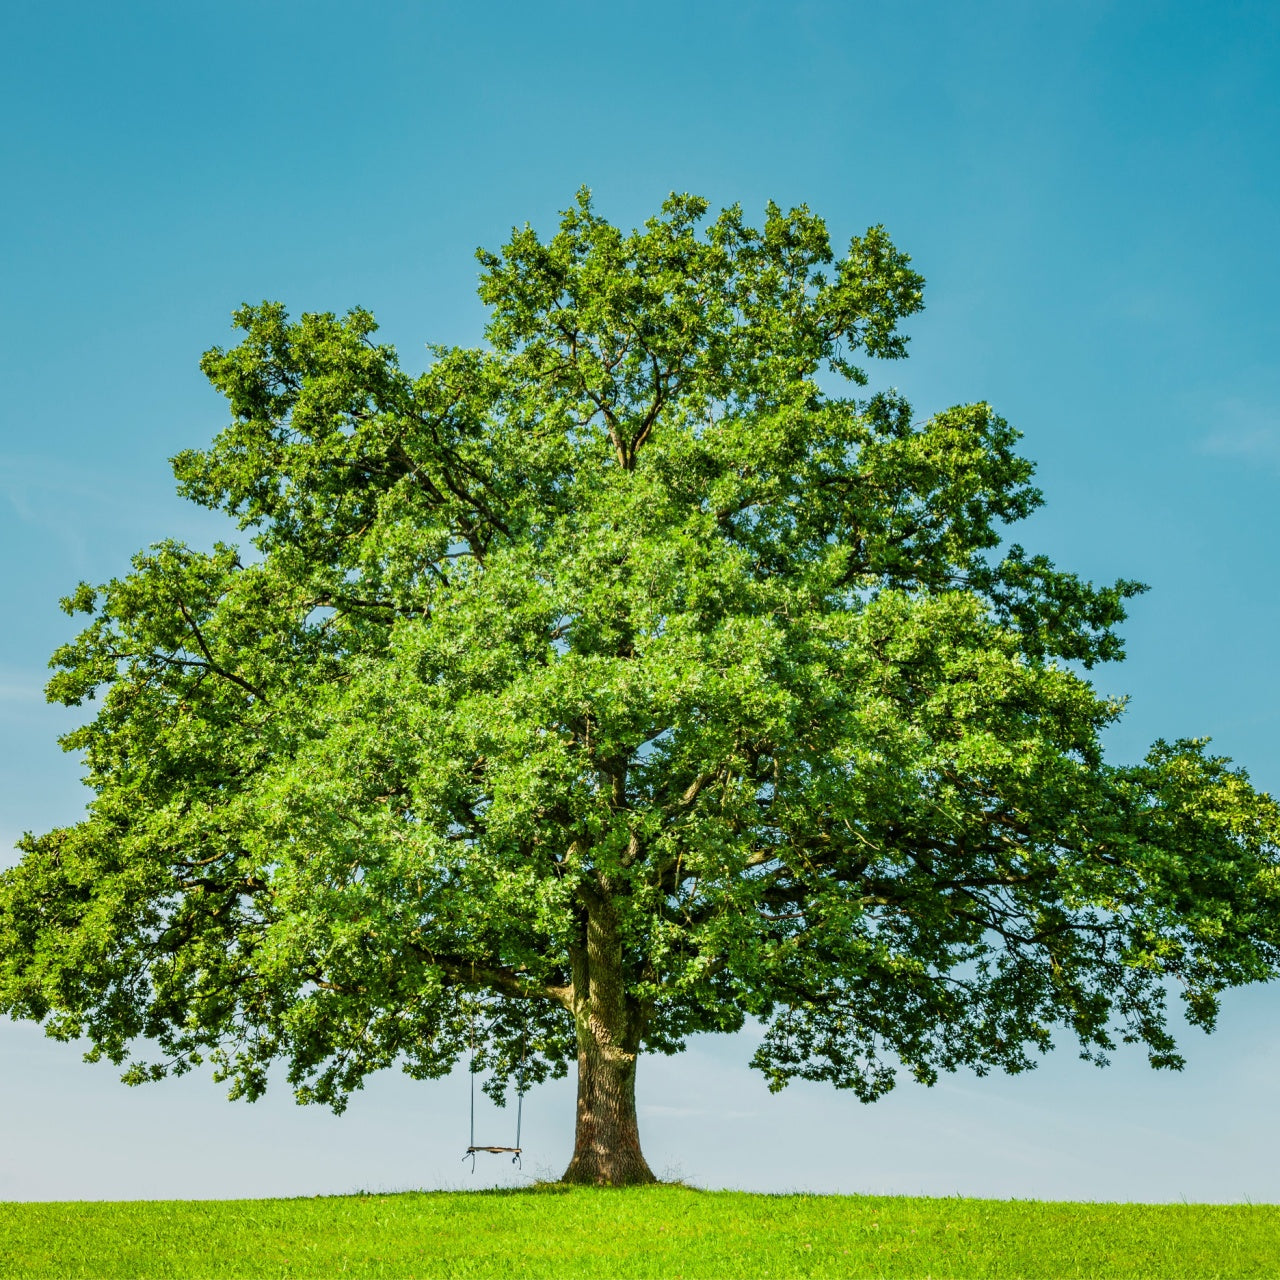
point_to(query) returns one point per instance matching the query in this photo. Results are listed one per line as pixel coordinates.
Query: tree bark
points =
(606, 1150)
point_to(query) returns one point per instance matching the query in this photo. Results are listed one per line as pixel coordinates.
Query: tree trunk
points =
(606, 1150)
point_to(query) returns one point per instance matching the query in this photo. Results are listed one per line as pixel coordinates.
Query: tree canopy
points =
(636, 674)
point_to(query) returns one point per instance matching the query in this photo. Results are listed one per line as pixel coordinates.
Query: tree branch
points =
(212, 663)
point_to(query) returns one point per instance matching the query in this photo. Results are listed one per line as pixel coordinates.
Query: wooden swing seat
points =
(496, 1151)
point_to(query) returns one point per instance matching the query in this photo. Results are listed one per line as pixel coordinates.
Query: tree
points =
(635, 675)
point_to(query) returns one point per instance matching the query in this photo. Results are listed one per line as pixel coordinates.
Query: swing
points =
(513, 1152)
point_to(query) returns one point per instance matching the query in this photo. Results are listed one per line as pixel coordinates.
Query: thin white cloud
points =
(75, 505)
(1246, 431)
(680, 1113)
(21, 690)
(1260, 443)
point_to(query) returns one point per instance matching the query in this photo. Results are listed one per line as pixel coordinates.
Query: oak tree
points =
(639, 673)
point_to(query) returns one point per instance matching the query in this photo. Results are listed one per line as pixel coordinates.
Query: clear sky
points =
(1093, 193)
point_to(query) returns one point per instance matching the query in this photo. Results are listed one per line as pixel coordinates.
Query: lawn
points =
(662, 1232)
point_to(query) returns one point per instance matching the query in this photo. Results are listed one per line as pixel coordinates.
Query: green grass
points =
(662, 1232)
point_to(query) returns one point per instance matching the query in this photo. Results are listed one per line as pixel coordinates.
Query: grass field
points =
(662, 1232)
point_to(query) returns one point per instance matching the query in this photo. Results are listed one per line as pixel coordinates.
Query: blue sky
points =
(1091, 190)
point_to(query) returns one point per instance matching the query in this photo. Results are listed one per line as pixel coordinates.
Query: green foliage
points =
(654, 1233)
(627, 616)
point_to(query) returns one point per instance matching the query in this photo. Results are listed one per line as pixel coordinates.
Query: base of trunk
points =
(608, 1169)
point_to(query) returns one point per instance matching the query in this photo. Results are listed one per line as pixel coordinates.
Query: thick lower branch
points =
(459, 972)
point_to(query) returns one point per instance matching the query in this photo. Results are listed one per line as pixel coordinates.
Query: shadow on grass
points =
(537, 1188)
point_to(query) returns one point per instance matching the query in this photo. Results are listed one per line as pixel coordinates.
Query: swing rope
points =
(513, 1152)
